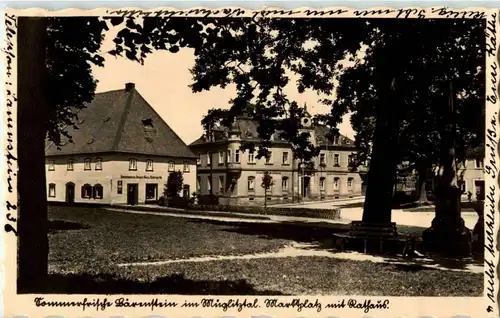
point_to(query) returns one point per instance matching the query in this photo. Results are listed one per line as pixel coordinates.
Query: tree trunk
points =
(382, 172)
(32, 109)
(421, 181)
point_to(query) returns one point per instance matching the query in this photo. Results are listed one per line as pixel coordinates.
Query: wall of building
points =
(473, 177)
(255, 168)
(115, 168)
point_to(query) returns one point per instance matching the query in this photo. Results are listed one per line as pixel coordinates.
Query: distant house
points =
(122, 152)
(236, 176)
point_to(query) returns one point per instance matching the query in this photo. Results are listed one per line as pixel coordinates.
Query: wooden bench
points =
(374, 232)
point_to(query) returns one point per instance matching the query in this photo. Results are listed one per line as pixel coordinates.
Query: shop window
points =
(151, 191)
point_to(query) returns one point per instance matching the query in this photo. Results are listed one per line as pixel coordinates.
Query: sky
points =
(163, 81)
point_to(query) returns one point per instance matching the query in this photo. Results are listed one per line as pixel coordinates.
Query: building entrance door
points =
(132, 193)
(305, 186)
(70, 192)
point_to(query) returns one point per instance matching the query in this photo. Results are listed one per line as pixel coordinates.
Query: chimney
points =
(129, 86)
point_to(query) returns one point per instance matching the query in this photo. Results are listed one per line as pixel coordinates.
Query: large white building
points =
(122, 152)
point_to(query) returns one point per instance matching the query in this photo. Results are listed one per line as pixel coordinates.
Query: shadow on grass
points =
(174, 284)
(56, 226)
(320, 233)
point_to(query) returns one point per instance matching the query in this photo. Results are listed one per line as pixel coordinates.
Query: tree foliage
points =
(174, 184)
(260, 56)
(73, 45)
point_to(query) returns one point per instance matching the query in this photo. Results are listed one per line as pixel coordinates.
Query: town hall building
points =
(122, 153)
(235, 176)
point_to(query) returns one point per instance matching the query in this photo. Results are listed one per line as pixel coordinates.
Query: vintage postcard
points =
(212, 162)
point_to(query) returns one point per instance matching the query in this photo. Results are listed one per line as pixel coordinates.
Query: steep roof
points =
(247, 128)
(121, 121)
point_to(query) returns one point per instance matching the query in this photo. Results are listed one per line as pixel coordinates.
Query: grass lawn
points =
(87, 243)
(91, 235)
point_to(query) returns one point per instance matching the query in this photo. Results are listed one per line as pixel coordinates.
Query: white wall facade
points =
(115, 169)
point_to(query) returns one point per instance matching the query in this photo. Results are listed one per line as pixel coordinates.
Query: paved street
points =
(401, 217)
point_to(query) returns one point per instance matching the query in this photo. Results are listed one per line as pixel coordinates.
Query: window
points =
(209, 184)
(336, 158)
(322, 183)
(52, 165)
(285, 158)
(209, 161)
(198, 184)
(350, 159)
(132, 164)
(251, 183)
(229, 156)
(479, 163)
(149, 165)
(462, 185)
(86, 164)
(336, 184)
(151, 191)
(186, 166)
(70, 165)
(52, 190)
(251, 157)
(119, 188)
(269, 158)
(221, 184)
(86, 191)
(321, 158)
(198, 161)
(97, 191)
(171, 166)
(284, 184)
(221, 157)
(349, 182)
(237, 156)
(98, 164)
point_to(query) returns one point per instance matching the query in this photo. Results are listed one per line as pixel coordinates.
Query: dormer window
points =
(147, 123)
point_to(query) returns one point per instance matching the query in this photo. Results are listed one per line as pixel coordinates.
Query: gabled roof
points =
(121, 121)
(247, 129)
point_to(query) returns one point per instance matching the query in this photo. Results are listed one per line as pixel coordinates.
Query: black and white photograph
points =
(269, 156)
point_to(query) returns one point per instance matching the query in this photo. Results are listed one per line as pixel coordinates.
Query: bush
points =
(209, 199)
(178, 202)
(162, 201)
